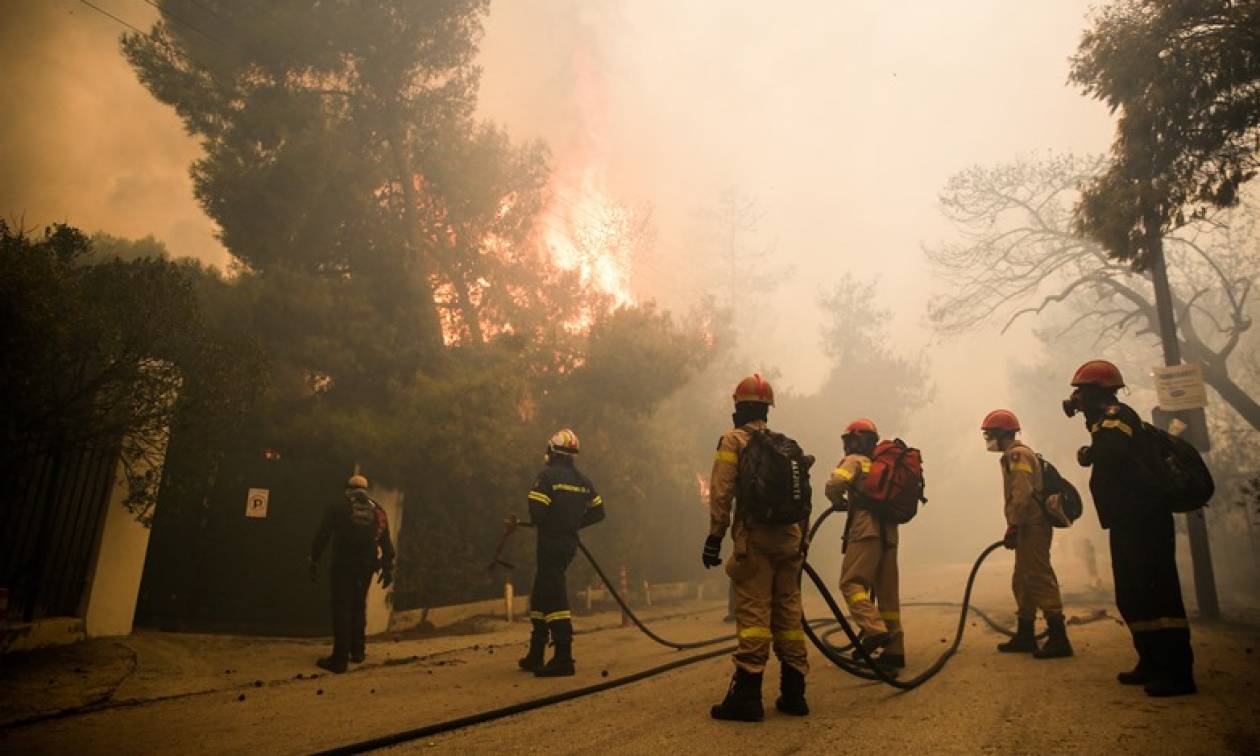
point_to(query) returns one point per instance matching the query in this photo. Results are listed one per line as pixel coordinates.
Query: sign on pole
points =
(1180, 387)
(256, 502)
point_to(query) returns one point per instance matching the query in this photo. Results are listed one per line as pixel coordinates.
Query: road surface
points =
(983, 702)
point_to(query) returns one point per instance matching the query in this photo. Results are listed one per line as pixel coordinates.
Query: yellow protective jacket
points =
(1022, 484)
(863, 523)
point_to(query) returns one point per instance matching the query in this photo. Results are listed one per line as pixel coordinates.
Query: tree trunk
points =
(1233, 394)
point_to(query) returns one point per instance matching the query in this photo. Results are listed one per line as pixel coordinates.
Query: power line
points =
(107, 14)
(175, 17)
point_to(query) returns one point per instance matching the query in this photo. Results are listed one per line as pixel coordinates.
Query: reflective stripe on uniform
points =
(536, 615)
(894, 616)
(756, 632)
(567, 487)
(1021, 467)
(1119, 425)
(598, 501)
(1161, 623)
(728, 457)
(557, 616)
(866, 465)
(842, 473)
(857, 596)
(790, 635)
(541, 498)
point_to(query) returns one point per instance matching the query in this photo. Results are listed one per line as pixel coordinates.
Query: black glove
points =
(842, 505)
(387, 578)
(1012, 535)
(1085, 456)
(712, 550)
(312, 570)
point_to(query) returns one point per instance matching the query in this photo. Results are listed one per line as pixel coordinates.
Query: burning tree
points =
(397, 261)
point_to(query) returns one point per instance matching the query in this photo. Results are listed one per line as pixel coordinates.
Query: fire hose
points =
(988, 620)
(868, 670)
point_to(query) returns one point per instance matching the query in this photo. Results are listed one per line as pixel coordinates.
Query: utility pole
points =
(1196, 523)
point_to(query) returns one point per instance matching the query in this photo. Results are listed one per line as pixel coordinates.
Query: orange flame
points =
(702, 483)
(587, 232)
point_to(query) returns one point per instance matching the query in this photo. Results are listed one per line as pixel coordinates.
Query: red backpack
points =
(893, 489)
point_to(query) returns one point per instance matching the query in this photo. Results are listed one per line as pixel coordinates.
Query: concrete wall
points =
(121, 551)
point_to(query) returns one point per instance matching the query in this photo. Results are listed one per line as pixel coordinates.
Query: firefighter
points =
(764, 569)
(1143, 546)
(359, 530)
(1029, 534)
(868, 574)
(562, 501)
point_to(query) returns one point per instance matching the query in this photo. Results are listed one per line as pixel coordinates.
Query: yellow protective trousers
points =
(869, 582)
(765, 573)
(1033, 582)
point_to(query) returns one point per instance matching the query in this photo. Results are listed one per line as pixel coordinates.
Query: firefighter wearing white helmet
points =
(358, 528)
(764, 569)
(562, 501)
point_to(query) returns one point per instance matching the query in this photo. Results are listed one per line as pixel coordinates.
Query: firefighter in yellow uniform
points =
(764, 569)
(1029, 534)
(868, 574)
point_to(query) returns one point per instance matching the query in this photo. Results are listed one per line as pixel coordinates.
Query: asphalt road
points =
(983, 702)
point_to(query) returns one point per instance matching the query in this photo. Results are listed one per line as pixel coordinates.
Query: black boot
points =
(1023, 642)
(532, 661)
(561, 662)
(1174, 672)
(875, 641)
(333, 664)
(791, 692)
(1056, 645)
(1141, 672)
(743, 699)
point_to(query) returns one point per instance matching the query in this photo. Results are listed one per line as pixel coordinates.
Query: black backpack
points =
(772, 483)
(1180, 471)
(1052, 482)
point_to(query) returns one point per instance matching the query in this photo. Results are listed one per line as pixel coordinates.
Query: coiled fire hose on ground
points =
(869, 670)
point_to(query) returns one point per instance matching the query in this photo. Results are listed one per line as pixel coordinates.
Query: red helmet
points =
(860, 426)
(1000, 420)
(563, 441)
(754, 388)
(1098, 373)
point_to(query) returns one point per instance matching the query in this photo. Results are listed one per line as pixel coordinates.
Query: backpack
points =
(772, 482)
(1181, 472)
(894, 486)
(1071, 506)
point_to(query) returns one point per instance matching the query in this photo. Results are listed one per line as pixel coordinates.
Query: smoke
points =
(842, 119)
(81, 141)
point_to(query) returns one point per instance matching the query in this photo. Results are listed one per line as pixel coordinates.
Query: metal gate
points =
(50, 525)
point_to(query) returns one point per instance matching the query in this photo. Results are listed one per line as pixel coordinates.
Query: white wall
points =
(124, 543)
(378, 599)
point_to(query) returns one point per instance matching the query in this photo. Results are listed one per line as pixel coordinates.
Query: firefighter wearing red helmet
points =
(1127, 497)
(764, 569)
(869, 578)
(1029, 533)
(562, 501)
